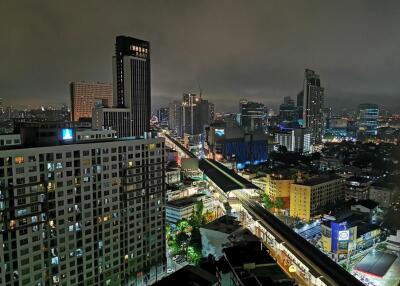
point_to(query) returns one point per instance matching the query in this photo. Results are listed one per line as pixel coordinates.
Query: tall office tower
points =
(300, 96)
(163, 116)
(287, 100)
(175, 116)
(86, 95)
(288, 111)
(313, 103)
(253, 115)
(81, 211)
(196, 114)
(132, 81)
(368, 119)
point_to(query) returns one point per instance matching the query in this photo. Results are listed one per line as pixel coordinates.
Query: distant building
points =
(311, 100)
(368, 119)
(308, 197)
(288, 111)
(196, 114)
(163, 116)
(382, 193)
(232, 143)
(253, 115)
(86, 95)
(295, 140)
(175, 116)
(357, 188)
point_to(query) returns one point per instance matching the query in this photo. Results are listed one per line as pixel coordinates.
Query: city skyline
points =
(226, 143)
(266, 64)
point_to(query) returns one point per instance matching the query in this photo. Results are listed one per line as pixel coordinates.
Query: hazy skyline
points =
(234, 49)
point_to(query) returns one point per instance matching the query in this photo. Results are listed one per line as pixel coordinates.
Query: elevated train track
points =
(324, 270)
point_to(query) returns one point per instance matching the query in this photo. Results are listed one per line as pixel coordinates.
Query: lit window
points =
(19, 160)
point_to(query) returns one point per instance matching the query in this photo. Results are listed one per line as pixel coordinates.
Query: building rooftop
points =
(376, 263)
(185, 202)
(314, 181)
(226, 224)
(254, 266)
(365, 228)
(370, 204)
(189, 275)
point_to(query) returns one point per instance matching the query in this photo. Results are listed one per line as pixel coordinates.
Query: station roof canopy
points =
(226, 179)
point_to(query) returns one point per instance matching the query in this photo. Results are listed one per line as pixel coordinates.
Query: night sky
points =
(234, 49)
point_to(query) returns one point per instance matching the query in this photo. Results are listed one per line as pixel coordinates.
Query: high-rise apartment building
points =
(86, 95)
(81, 208)
(311, 100)
(196, 114)
(368, 119)
(253, 115)
(295, 140)
(190, 115)
(308, 197)
(163, 116)
(175, 116)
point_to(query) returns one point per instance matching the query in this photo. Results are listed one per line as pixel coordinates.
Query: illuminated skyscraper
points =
(368, 119)
(311, 99)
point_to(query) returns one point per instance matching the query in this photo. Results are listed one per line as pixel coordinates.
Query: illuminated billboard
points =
(344, 235)
(67, 134)
(219, 132)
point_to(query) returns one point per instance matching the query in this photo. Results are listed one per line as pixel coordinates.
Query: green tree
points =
(268, 204)
(194, 254)
(183, 226)
(181, 238)
(279, 203)
(197, 218)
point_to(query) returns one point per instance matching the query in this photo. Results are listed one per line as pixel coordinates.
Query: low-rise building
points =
(357, 188)
(382, 193)
(308, 197)
(393, 241)
(177, 210)
(250, 265)
(365, 206)
(278, 185)
(349, 233)
(172, 175)
(215, 235)
(7, 140)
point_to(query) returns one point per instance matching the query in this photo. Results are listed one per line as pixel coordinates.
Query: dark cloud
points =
(233, 49)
